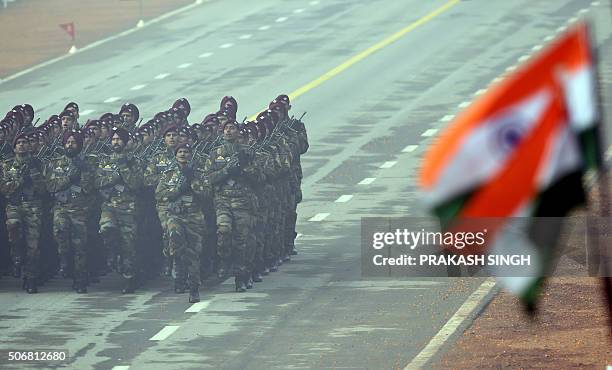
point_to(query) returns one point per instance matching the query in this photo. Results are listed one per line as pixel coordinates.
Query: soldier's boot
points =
(240, 281)
(63, 268)
(30, 284)
(294, 251)
(194, 294)
(129, 285)
(167, 266)
(111, 262)
(257, 278)
(223, 269)
(286, 258)
(180, 276)
(249, 281)
(17, 268)
(273, 265)
(80, 286)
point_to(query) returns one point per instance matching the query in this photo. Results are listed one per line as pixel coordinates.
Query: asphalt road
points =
(371, 118)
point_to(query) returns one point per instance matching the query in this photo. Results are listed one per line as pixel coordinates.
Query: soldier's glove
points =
(123, 161)
(188, 173)
(234, 169)
(27, 180)
(244, 158)
(74, 174)
(185, 185)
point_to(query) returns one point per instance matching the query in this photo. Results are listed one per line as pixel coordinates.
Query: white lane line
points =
(344, 198)
(462, 314)
(572, 20)
(536, 48)
(548, 38)
(447, 118)
(165, 332)
(138, 87)
(245, 36)
(197, 307)
(263, 28)
(388, 164)
(366, 181)
(205, 55)
(497, 79)
(523, 58)
(510, 69)
(314, 2)
(281, 19)
(480, 92)
(430, 132)
(561, 29)
(112, 99)
(299, 235)
(319, 217)
(464, 104)
(409, 148)
(582, 11)
(120, 367)
(161, 76)
(298, 11)
(86, 112)
(595, 3)
(184, 65)
(100, 42)
(226, 46)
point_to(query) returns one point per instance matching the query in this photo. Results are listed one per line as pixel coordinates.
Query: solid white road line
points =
(344, 198)
(226, 46)
(165, 332)
(367, 181)
(112, 99)
(184, 65)
(205, 55)
(197, 307)
(161, 76)
(319, 217)
(388, 164)
(138, 87)
(462, 314)
(409, 148)
(430, 132)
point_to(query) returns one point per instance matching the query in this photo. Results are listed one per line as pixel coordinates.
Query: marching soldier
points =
(118, 179)
(23, 184)
(182, 187)
(71, 181)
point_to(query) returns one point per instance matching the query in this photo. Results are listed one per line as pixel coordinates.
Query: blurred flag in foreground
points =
(521, 150)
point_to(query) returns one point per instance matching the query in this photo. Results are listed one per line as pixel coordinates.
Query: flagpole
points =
(604, 191)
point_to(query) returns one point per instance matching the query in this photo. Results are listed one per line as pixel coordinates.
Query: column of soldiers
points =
(188, 201)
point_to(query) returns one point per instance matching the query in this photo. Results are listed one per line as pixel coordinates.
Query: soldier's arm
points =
(106, 178)
(215, 175)
(151, 176)
(303, 136)
(200, 185)
(38, 179)
(132, 174)
(88, 178)
(165, 191)
(55, 182)
(9, 184)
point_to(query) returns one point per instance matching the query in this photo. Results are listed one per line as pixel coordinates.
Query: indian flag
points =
(521, 150)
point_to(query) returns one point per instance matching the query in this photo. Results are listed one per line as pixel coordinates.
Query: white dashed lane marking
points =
(548, 38)
(536, 48)
(184, 65)
(344, 198)
(197, 307)
(298, 11)
(447, 118)
(367, 181)
(388, 164)
(120, 368)
(523, 58)
(430, 132)
(409, 148)
(281, 19)
(164, 333)
(263, 28)
(561, 29)
(138, 87)
(205, 55)
(245, 37)
(319, 217)
(510, 69)
(86, 112)
(161, 76)
(572, 20)
(112, 99)
(315, 2)
(480, 92)
(226, 46)
(464, 104)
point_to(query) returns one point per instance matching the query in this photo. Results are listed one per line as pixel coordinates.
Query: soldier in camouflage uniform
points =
(183, 187)
(119, 178)
(71, 181)
(23, 184)
(160, 162)
(230, 171)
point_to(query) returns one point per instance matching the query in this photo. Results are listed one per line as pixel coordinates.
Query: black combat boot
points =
(167, 266)
(30, 284)
(223, 269)
(194, 294)
(240, 282)
(257, 278)
(249, 281)
(179, 286)
(63, 268)
(294, 252)
(80, 287)
(129, 286)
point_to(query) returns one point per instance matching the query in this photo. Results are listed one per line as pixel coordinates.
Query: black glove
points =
(187, 172)
(123, 161)
(27, 180)
(74, 174)
(184, 185)
(234, 169)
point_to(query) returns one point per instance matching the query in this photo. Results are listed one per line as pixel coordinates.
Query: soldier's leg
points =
(290, 226)
(126, 219)
(191, 257)
(61, 233)
(243, 227)
(15, 237)
(162, 215)
(79, 236)
(95, 248)
(224, 236)
(5, 256)
(110, 238)
(31, 224)
(177, 243)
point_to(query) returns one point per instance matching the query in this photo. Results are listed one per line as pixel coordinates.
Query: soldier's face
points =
(33, 144)
(171, 139)
(146, 138)
(22, 146)
(183, 139)
(71, 145)
(183, 156)
(95, 131)
(104, 131)
(66, 122)
(56, 129)
(76, 112)
(117, 143)
(127, 117)
(230, 132)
